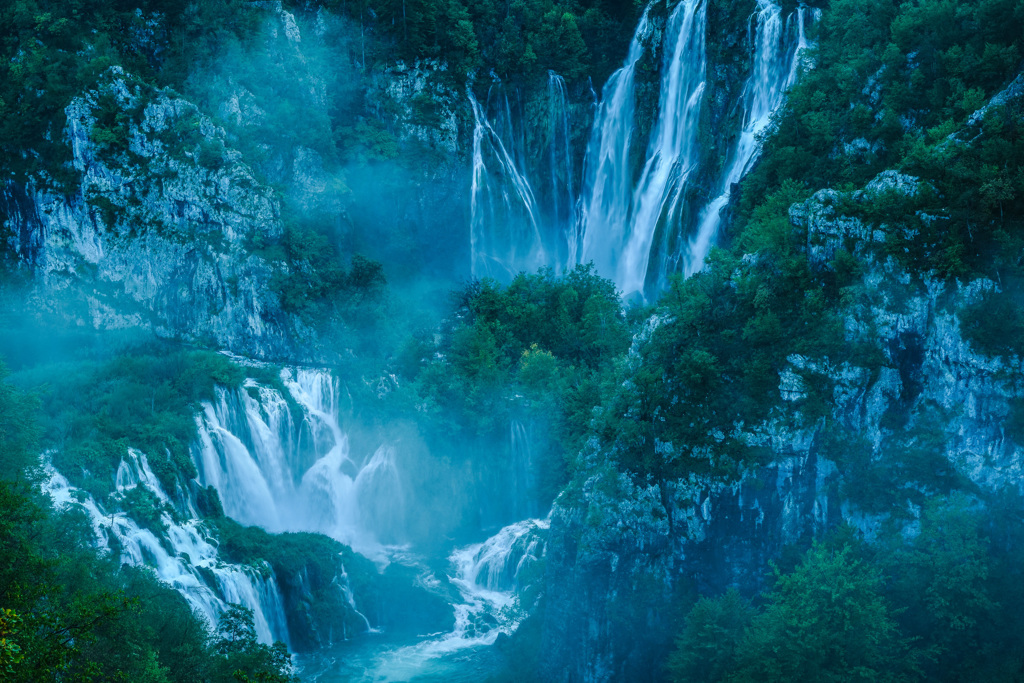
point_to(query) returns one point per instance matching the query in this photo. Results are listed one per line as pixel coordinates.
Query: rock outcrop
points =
(159, 231)
(621, 551)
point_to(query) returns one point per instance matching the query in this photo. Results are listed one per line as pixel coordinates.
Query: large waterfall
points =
(288, 471)
(673, 152)
(637, 226)
(607, 188)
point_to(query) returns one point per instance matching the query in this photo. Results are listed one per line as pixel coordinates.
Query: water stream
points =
(776, 66)
(607, 184)
(486, 577)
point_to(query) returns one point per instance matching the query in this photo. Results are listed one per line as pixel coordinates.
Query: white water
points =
(776, 66)
(563, 193)
(640, 234)
(607, 185)
(182, 557)
(636, 233)
(287, 472)
(487, 576)
(505, 232)
(673, 152)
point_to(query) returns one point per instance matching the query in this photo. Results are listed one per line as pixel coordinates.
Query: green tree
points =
(243, 659)
(827, 620)
(707, 647)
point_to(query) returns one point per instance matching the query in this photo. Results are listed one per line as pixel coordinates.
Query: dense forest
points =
(260, 420)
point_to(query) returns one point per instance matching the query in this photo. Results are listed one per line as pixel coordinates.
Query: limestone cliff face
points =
(621, 551)
(159, 231)
(176, 216)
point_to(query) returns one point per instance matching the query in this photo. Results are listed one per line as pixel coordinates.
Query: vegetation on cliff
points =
(70, 612)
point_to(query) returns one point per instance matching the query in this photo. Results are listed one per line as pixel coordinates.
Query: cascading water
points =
(487, 576)
(497, 564)
(522, 470)
(776, 66)
(563, 193)
(511, 230)
(183, 557)
(505, 231)
(639, 235)
(607, 187)
(287, 472)
(673, 152)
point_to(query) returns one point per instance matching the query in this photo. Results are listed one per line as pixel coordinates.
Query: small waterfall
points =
(505, 232)
(522, 473)
(673, 152)
(563, 193)
(182, 558)
(496, 564)
(776, 66)
(487, 576)
(607, 184)
(350, 599)
(379, 497)
(286, 472)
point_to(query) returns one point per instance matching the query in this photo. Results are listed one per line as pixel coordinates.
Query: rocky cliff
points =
(929, 415)
(159, 229)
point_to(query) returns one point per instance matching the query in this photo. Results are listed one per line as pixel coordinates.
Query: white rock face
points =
(164, 227)
(407, 91)
(913, 321)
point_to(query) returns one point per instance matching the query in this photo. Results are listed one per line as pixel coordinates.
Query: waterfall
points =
(505, 232)
(379, 499)
(295, 472)
(563, 194)
(640, 234)
(607, 187)
(496, 564)
(487, 576)
(776, 66)
(673, 152)
(522, 473)
(184, 555)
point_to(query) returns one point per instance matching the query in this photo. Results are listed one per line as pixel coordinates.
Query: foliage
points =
(897, 85)
(533, 349)
(242, 658)
(709, 365)
(145, 398)
(708, 643)
(52, 51)
(70, 613)
(19, 434)
(827, 620)
(940, 602)
(994, 325)
(518, 40)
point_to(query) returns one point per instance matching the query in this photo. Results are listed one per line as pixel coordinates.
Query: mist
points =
(561, 341)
